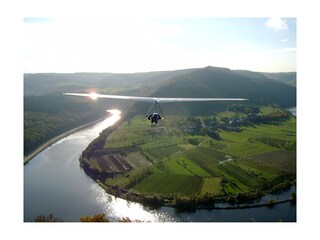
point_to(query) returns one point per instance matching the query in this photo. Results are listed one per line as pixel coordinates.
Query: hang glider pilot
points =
(154, 117)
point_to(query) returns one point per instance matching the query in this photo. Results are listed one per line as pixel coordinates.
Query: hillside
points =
(46, 117)
(223, 82)
(289, 78)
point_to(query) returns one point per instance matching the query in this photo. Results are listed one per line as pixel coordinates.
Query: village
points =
(210, 125)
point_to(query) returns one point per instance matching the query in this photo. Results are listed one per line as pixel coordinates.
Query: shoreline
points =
(165, 202)
(50, 142)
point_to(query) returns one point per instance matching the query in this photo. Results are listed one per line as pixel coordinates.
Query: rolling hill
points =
(224, 83)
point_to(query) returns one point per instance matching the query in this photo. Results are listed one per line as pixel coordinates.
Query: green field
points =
(211, 186)
(257, 157)
(164, 183)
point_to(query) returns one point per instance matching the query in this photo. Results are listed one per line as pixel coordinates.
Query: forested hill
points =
(221, 83)
(226, 83)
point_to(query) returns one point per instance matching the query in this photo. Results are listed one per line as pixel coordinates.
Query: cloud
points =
(277, 24)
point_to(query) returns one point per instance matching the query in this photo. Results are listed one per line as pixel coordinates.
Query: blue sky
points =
(151, 44)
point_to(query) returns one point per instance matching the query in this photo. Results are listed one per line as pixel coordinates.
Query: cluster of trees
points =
(243, 108)
(101, 217)
(191, 202)
(241, 197)
(272, 118)
(95, 218)
(153, 200)
(45, 218)
(282, 182)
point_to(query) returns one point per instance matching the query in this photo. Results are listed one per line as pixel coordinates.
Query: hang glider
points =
(155, 116)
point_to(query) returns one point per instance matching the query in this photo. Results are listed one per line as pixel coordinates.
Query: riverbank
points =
(188, 204)
(30, 156)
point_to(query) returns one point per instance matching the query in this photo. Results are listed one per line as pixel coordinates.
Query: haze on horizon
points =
(126, 45)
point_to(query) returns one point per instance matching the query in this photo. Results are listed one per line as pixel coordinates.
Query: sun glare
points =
(93, 96)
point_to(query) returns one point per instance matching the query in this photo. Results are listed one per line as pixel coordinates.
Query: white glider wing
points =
(152, 99)
(197, 99)
(96, 95)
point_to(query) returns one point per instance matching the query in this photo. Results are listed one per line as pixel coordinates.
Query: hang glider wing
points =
(153, 99)
(96, 95)
(163, 100)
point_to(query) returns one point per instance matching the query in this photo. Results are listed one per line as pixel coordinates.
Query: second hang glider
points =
(154, 117)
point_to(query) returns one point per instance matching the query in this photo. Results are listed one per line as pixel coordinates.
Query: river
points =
(55, 183)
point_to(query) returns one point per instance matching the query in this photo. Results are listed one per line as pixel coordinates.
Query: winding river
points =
(55, 183)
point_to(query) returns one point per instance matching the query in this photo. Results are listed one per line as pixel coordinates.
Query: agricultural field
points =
(164, 183)
(167, 160)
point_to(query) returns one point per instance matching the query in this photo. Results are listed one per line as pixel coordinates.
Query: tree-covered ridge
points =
(46, 117)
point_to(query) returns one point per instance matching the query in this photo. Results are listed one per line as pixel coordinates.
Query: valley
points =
(48, 114)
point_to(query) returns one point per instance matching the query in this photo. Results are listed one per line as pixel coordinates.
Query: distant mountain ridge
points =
(289, 78)
(51, 83)
(210, 81)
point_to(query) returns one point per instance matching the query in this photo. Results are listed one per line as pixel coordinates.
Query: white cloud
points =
(277, 24)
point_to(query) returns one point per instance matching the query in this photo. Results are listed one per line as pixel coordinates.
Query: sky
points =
(131, 44)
